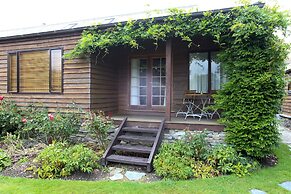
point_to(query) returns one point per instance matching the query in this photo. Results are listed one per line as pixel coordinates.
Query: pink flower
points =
(24, 120)
(1, 98)
(51, 117)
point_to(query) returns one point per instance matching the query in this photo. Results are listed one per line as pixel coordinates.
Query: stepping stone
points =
(117, 176)
(286, 185)
(257, 191)
(114, 170)
(134, 175)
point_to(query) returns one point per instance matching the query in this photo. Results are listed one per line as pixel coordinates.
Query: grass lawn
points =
(266, 179)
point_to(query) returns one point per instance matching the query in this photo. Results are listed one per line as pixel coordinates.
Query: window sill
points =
(30, 93)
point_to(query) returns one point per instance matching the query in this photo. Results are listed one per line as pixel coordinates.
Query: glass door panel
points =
(138, 85)
(158, 82)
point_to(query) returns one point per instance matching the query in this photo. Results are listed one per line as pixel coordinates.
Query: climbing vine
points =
(252, 55)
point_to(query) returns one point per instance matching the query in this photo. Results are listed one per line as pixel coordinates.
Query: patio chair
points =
(186, 104)
(210, 110)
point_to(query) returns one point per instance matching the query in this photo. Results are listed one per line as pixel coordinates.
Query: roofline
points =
(80, 29)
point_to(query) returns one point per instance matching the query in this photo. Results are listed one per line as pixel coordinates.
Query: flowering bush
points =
(10, 117)
(47, 126)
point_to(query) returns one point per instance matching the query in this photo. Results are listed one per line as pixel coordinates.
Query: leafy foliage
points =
(58, 126)
(252, 56)
(191, 157)
(98, 124)
(253, 94)
(59, 159)
(197, 144)
(227, 161)
(203, 170)
(5, 160)
(173, 162)
(10, 118)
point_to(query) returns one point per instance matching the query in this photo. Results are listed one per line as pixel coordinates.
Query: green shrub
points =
(173, 161)
(34, 120)
(197, 145)
(227, 161)
(59, 126)
(10, 117)
(203, 170)
(59, 159)
(254, 64)
(5, 160)
(98, 124)
(63, 125)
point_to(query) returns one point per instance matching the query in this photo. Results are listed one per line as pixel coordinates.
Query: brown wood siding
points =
(104, 84)
(76, 73)
(286, 106)
(123, 81)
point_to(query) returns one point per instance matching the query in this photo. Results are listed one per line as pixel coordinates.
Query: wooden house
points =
(146, 85)
(150, 82)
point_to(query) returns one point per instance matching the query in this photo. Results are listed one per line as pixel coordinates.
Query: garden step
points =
(132, 148)
(137, 138)
(127, 160)
(140, 130)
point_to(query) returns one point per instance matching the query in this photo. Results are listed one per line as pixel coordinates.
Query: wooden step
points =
(132, 148)
(127, 160)
(140, 130)
(137, 138)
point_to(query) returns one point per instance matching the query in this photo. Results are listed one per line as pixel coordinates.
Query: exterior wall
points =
(104, 84)
(76, 73)
(286, 106)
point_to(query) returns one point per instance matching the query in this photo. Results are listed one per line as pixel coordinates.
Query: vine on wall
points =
(252, 56)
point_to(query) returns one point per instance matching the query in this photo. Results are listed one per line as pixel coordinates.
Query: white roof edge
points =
(97, 21)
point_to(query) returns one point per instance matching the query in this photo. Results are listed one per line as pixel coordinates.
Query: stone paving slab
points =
(117, 176)
(114, 170)
(134, 175)
(286, 185)
(257, 191)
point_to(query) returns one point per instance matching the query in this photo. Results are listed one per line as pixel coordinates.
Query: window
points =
(35, 71)
(198, 72)
(200, 66)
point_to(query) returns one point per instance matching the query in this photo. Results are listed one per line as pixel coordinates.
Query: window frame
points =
(49, 50)
(209, 57)
(288, 87)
